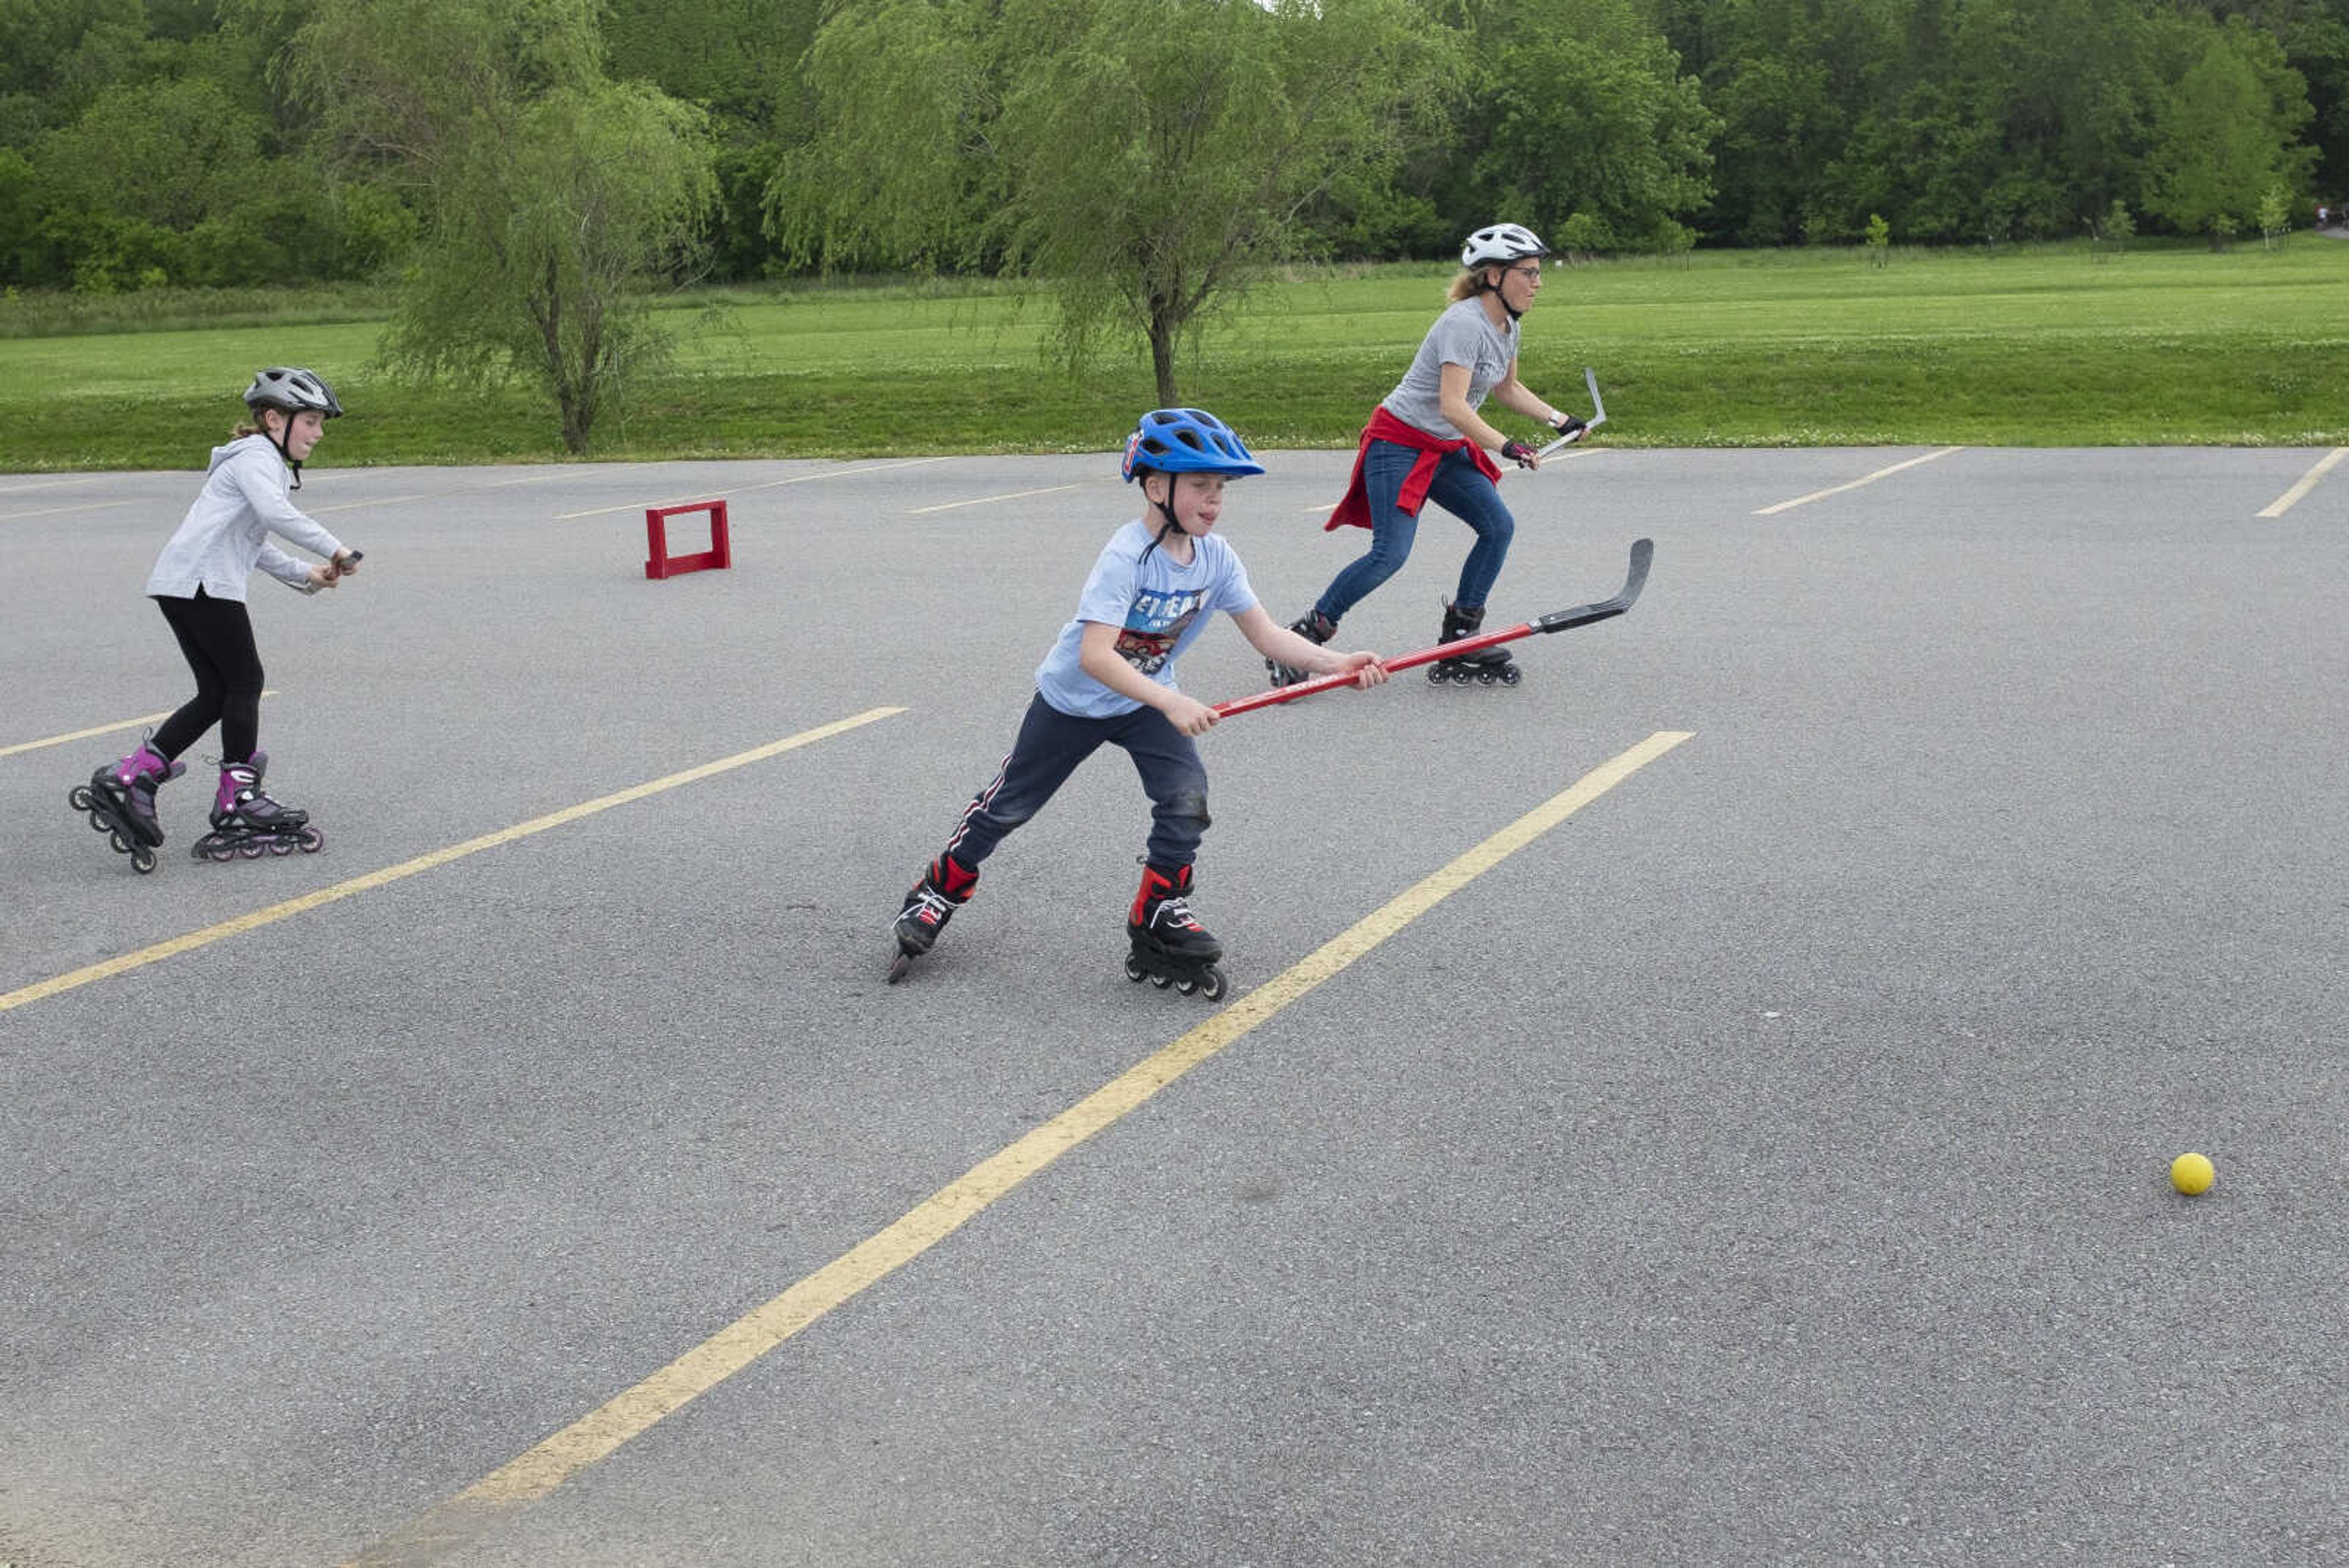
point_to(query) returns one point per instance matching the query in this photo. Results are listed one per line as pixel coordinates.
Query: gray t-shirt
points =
(1463, 335)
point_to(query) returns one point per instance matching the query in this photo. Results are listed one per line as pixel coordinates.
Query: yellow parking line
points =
(1855, 484)
(2290, 498)
(67, 483)
(746, 489)
(379, 501)
(463, 1517)
(984, 500)
(66, 511)
(97, 729)
(292, 906)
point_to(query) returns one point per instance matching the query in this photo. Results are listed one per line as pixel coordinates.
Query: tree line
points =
(527, 168)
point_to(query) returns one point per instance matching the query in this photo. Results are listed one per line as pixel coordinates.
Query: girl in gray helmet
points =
(199, 583)
(1428, 441)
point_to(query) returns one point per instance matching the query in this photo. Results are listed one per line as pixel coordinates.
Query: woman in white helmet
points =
(1428, 441)
(199, 583)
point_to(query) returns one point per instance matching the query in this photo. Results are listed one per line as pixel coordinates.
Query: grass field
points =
(2030, 345)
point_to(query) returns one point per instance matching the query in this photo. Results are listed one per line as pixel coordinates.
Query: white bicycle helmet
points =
(1500, 245)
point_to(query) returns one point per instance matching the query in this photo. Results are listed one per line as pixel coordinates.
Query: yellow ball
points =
(2191, 1173)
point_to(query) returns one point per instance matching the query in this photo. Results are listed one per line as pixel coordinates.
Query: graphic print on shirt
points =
(1154, 624)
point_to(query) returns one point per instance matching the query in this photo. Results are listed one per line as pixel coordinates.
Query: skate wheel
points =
(281, 847)
(1134, 971)
(1487, 678)
(80, 799)
(97, 823)
(899, 965)
(143, 860)
(1185, 986)
(121, 845)
(1511, 675)
(312, 841)
(1436, 676)
(250, 849)
(1211, 984)
(1162, 981)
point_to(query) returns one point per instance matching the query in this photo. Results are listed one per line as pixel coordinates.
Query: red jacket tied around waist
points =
(1354, 508)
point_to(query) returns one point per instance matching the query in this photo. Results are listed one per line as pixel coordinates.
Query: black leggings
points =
(216, 634)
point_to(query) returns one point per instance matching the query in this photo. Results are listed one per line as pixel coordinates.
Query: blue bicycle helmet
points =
(1187, 440)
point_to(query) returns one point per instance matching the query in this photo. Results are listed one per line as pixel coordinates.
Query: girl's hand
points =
(321, 577)
(1368, 670)
(345, 563)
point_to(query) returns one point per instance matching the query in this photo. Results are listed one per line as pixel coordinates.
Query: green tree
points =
(551, 198)
(1143, 158)
(2227, 130)
(738, 60)
(1589, 131)
(173, 153)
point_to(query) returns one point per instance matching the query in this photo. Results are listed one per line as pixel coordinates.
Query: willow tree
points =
(553, 201)
(1142, 159)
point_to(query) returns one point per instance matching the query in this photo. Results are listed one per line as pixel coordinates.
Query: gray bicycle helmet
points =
(294, 390)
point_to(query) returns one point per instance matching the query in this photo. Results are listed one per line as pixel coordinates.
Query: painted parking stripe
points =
(96, 729)
(1855, 484)
(406, 868)
(2307, 482)
(985, 500)
(68, 511)
(746, 489)
(466, 1516)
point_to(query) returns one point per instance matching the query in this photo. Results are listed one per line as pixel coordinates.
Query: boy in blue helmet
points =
(1111, 678)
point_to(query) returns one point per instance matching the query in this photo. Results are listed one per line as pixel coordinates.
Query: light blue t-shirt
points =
(1159, 607)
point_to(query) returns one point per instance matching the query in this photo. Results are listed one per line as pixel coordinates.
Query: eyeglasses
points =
(1531, 269)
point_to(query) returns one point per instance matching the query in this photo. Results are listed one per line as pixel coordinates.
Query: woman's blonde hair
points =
(1467, 284)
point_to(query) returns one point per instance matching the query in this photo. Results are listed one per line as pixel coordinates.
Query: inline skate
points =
(246, 823)
(1487, 666)
(1313, 627)
(945, 886)
(120, 801)
(1170, 946)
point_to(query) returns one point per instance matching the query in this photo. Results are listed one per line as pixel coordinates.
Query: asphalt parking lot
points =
(1711, 1103)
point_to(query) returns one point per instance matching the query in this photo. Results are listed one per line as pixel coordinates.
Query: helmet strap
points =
(1165, 509)
(292, 462)
(1484, 286)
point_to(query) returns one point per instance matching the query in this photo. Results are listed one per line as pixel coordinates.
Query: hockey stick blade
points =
(1643, 552)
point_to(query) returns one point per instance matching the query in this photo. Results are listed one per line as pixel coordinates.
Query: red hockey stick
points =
(1563, 620)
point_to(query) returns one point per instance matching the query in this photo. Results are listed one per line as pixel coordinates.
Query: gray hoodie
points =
(226, 531)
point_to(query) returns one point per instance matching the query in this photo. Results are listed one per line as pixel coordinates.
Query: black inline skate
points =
(1170, 946)
(945, 886)
(1487, 666)
(1313, 627)
(120, 801)
(247, 823)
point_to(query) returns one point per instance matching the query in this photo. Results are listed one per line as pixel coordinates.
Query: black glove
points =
(1567, 425)
(1518, 452)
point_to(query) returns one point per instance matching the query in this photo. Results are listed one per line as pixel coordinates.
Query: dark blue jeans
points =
(1460, 489)
(1051, 745)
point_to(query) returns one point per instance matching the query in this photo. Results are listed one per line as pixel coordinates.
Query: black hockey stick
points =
(1642, 551)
